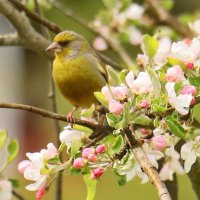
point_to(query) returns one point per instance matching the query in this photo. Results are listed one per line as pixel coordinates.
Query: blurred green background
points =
(25, 80)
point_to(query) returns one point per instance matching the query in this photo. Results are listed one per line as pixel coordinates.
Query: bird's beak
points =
(54, 47)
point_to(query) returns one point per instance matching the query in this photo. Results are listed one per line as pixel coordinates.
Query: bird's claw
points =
(70, 118)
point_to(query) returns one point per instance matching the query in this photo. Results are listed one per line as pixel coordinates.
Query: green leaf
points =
(122, 75)
(121, 180)
(101, 98)
(195, 81)
(112, 119)
(118, 144)
(150, 45)
(54, 160)
(91, 186)
(175, 127)
(88, 112)
(125, 4)
(167, 4)
(75, 171)
(159, 105)
(155, 80)
(142, 120)
(14, 182)
(3, 137)
(113, 76)
(13, 149)
(76, 144)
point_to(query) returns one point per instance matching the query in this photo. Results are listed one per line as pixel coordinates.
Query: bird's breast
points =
(77, 80)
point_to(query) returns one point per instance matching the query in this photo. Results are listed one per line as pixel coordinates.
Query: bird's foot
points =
(70, 118)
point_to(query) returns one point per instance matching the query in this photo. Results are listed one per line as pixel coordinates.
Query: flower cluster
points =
(89, 159)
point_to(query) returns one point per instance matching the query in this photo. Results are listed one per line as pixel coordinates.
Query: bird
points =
(77, 70)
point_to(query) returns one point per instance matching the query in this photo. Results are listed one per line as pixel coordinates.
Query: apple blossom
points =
(190, 65)
(5, 189)
(97, 173)
(23, 165)
(134, 11)
(143, 60)
(115, 107)
(79, 163)
(189, 153)
(146, 131)
(69, 134)
(120, 92)
(195, 26)
(171, 165)
(159, 142)
(142, 84)
(181, 102)
(135, 36)
(92, 157)
(174, 74)
(100, 149)
(107, 93)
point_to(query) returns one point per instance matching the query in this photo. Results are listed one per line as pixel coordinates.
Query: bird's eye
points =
(63, 43)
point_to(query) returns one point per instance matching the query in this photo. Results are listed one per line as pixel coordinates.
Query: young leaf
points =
(112, 119)
(14, 182)
(118, 143)
(88, 112)
(155, 80)
(75, 171)
(76, 144)
(13, 149)
(175, 127)
(113, 76)
(150, 45)
(101, 98)
(195, 81)
(91, 186)
(54, 160)
(142, 120)
(3, 137)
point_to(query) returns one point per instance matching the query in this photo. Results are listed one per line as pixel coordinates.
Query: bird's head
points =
(68, 43)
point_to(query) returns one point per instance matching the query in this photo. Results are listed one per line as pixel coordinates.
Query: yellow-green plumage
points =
(77, 71)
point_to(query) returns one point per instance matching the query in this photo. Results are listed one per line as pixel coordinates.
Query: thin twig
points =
(17, 195)
(146, 166)
(169, 19)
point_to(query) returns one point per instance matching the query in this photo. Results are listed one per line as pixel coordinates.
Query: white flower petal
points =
(186, 150)
(36, 159)
(32, 173)
(170, 89)
(189, 161)
(38, 184)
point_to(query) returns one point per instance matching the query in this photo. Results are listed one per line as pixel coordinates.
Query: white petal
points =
(186, 150)
(32, 173)
(189, 161)
(36, 159)
(170, 89)
(38, 184)
(130, 174)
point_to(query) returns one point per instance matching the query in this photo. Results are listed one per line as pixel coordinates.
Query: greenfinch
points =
(77, 70)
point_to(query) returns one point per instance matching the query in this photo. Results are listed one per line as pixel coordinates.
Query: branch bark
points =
(9, 39)
(169, 19)
(146, 166)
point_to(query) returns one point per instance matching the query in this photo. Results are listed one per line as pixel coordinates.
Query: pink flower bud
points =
(190, 65)
(92, 157)
(23, 165)
(146, 131)
(193, 101)
(100, 149)
(79, 163)
(87, 151)
(143, 104)
(96, 173)
(106, 92)
(189, 89)
(115, 107)
(40, 193)
(100, 44)
(159, 142)
(174, 74)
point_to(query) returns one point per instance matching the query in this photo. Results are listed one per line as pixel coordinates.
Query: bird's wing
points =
(101, 67)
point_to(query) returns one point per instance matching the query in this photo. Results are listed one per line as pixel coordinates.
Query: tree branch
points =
(9, 39)
(146, 166)
(170, 20)
(18, 196)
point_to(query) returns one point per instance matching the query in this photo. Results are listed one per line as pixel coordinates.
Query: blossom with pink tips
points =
(106, 92)
(40, 193)
(189, 89)
(92, 157)
(87, 151)
(174, 74)
(120, 92)
(100, 149)
(79, 163)
(159, 142)
(115, 107)
(23, 165)
(97, 173)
